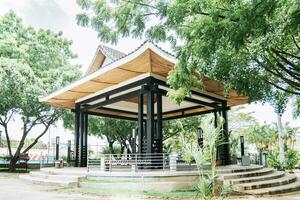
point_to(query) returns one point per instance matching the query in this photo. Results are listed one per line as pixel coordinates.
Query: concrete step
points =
(274, 175)
(237, 169)
(292, 187)
(287, 179)
(42, 175)
(81, 172)
(239, 175)
(41, 181)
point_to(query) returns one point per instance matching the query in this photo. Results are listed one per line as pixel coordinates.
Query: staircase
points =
(249, 180)
(52, 178)
(261, 181)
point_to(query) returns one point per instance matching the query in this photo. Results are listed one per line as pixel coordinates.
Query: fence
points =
(133, 162)
(38, 155)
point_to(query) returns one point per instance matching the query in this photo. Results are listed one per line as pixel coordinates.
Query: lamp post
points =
(200, 137)
(69, 151)
(242, 145)
(133, 141)
(57, 148)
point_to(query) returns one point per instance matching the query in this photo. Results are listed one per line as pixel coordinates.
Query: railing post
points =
(110, 157)
(173, 162)
(163, 159)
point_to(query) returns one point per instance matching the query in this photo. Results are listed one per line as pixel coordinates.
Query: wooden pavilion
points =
(133, 87)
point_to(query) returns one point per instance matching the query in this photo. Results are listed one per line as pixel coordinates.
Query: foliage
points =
(250, 46)
(113, 130)
(207, 186)
(292, 159)
(116, 150)
(240, 124)
(33, 63)
(185, 128)
(262, 136)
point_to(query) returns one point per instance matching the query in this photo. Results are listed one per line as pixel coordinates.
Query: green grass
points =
(103, 181)
(128, 193)
(100, 192)
(174, 194)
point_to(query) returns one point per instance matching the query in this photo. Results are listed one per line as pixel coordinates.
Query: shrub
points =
(292, 159)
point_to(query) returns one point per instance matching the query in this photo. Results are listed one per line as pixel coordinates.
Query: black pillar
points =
(216, 119)
(150, 120)
(140, 122)
(83, 138)
(225, 147)
(242, 145)
(159, 122)
(77, 135)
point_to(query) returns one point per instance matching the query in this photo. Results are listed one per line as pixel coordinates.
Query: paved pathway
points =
(14, 189)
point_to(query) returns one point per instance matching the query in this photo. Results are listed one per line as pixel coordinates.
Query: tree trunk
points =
(122, 149)
(111, 147)
(13, 164)
(7, 140)
(15, 158)
(281, 138)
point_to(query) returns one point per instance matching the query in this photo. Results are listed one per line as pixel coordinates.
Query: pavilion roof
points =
(111, 68)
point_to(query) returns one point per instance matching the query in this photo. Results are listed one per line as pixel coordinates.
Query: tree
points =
(249, 46)
(33, 63)
(185, 128)
(279, 101)
(113, 130)
(262, 136)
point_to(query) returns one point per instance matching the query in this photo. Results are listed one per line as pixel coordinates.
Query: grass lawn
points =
(127, 193)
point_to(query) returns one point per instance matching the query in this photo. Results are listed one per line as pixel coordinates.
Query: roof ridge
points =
(140, 46)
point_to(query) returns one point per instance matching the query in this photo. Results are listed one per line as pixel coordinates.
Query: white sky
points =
(59, 15)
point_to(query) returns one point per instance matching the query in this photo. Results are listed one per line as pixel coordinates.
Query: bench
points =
(23, 161)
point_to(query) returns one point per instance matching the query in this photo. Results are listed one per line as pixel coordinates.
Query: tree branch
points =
(279, 75)
(283, 58)
(37, 139)
(295, 41)
(281, 88)
(141, 4)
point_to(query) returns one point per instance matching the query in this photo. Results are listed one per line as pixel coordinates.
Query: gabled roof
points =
(147, 60)
(104, 56)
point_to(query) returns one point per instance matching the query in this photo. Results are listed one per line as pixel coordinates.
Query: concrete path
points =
(12, 188)
(15, 189)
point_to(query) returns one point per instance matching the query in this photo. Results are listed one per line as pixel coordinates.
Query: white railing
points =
(131, 162)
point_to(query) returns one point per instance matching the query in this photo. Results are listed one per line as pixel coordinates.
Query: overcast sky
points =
(59, 15)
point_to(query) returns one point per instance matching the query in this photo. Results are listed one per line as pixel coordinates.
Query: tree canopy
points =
(33, 63)
(250, 46)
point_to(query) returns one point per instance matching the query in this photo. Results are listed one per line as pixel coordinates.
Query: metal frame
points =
(148, 86)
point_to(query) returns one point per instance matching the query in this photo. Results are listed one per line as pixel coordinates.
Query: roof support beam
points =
(112, 100)
(117, 90)
(199, 102)
(111, 116)
(200, 94)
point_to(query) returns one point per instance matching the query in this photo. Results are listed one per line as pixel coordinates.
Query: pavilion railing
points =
(131, 162)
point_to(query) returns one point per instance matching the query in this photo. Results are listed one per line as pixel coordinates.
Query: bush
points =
(117, 150)
(292, 159)
(5, 157)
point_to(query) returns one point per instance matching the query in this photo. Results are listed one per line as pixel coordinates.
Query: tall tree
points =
(113, 130)
(33, 63)
(250, 46)
(279, 101)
